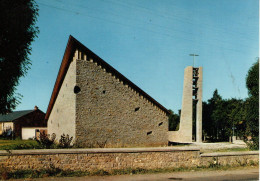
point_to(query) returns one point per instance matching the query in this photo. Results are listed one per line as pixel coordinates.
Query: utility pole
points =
(194, 55)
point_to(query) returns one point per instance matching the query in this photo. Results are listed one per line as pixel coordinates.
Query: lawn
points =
(17, 144)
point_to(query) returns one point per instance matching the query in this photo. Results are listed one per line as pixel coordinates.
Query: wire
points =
(179, 18)
(122, 24)
(157, 25)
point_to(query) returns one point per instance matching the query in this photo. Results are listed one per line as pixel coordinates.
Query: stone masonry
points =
(109, 111)
(99, 107)
(62, 118)
(120, 158)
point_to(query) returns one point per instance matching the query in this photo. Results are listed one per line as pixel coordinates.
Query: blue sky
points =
(148, 41)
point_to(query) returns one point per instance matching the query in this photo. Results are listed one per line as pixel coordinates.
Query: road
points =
(228, 175)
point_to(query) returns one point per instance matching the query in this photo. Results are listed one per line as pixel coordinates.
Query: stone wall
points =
(96, 159)
(62, 117)
(229, 158)
(110, 113)
(120, 158)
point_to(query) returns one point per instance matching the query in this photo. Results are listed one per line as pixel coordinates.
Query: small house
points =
(24, 124)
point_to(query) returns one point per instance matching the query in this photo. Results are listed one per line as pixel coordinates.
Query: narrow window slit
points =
(160, 123)
(104, 91)
(150, 132)
(136, 109)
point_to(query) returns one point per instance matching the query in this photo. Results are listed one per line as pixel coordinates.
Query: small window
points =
(104, 91)
(136, 109)
(161, 123)
(76, 89)
(150, 132)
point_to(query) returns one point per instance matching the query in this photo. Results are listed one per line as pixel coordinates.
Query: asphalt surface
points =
(246, 173)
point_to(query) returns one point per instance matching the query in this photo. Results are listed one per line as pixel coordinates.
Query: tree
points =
(17, 31)
(213, 117)
(252, 104)
(174, 121)
(235, 111)
(223, 117)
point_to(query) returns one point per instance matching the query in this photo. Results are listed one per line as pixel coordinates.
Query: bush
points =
(45, 141)
(65, 141)
(253, 144)
(8, 133)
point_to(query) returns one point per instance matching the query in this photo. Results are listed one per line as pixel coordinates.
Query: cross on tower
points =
(194, 55)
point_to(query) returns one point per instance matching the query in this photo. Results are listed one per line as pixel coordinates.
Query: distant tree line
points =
(223, 118)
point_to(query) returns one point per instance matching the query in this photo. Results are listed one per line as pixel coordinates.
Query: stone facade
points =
(62, 118)
(99, 107)
(111, 159)
(109, 111)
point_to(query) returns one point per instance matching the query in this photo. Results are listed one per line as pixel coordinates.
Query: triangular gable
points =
(71, 47)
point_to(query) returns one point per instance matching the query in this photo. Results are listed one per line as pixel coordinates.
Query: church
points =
(100, 107)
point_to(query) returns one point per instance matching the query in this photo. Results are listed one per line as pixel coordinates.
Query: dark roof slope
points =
(14, 115)
(74, 44)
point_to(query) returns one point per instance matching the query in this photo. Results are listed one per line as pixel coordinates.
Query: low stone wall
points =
(110, 159)
(229, 158)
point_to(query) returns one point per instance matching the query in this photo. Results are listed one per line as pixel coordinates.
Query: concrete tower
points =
(192, 95)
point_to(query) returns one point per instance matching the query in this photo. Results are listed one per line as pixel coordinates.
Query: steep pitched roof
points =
(14, 115)
(71, 47)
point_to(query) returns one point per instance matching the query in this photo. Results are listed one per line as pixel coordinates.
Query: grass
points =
(56, 172)
(17, 144)
(225, 150)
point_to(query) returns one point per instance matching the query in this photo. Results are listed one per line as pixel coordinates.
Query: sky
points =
(149, 42)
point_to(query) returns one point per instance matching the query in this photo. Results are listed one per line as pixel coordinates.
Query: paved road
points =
(239, 174)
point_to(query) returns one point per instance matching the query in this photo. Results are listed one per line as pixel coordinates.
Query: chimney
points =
(35, 108)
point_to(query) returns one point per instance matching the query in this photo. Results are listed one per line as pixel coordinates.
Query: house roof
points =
(14, 115)
(71, 47)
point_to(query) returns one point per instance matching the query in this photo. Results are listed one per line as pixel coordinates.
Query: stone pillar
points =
(199, 108)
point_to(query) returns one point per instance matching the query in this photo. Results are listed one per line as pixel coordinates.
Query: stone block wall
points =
(62, 117)
(229, 158)
(119, 158)
(110, 113)
(97, 159)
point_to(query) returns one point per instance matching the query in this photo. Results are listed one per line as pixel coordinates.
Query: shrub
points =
(65, 141)
(45, 141)
(253, 144)
(8, 133)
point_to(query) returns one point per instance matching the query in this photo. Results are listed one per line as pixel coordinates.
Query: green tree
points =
(17, 31)
(214, 116)
(174, 121)
(223, 117)
(235, 112)
(252, 104)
